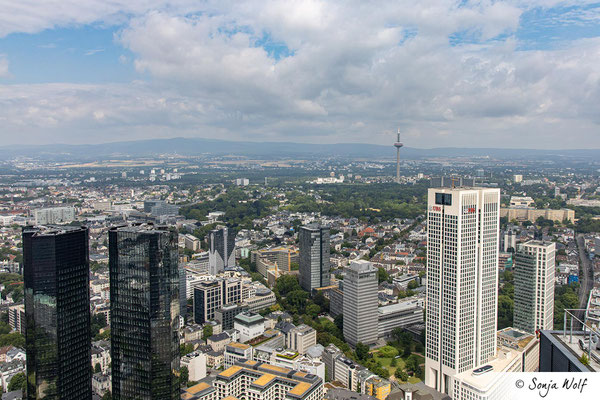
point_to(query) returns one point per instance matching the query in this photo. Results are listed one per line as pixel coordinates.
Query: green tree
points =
(362, 351)
(382, 274)
(401, 375)
(413, 284)
(388, 352)
(207, 331)
(505, 311)
(184, 375)
(286, 284)
(313, 310)
(12, 339)
(297, 299)
(339, 321)
(97, 368)
(412, 363)
(18, 382)
(107, 396)
(186, 348)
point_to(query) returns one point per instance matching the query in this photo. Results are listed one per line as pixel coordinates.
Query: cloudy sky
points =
(520, 73)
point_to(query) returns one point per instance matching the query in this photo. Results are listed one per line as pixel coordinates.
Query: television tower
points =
(398, 145)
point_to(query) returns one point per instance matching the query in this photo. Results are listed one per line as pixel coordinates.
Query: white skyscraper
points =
(534, 286)
(360, 303)
(462, 279)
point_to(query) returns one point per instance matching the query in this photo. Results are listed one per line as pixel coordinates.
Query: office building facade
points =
(221, 253)
(399, 315)
(55, 215)
(534, 268)
(314, 257)
(462, 276)
(210, 296)
(360, 303)
(144, 312)
(226, 314)
(57, 312)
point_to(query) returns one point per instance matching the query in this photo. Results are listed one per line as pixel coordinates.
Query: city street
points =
(585, 273)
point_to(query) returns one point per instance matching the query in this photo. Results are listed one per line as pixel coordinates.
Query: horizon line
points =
(288, 142)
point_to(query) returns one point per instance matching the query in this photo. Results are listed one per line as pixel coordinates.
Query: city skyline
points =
(361, 276)
(299, 199)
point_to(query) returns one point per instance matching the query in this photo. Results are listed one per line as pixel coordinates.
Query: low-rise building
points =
(532, 214)
(219, 341)
(416, 391)
(260, 301)
(196, 364)
(101, 355)
(377, 387)
(301, 338)
(192, 332)
(261, 381)
(346, 372)
(330, 353)
(249, 324)
(101, 383)
(10, 369)
(235, 352)
(399, 315)
(215, 359)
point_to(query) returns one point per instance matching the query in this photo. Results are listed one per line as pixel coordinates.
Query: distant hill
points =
(274, 150)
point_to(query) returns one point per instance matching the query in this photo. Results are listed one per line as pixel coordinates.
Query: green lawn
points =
(386, 361)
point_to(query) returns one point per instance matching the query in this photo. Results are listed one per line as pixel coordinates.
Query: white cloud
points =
(91, 52)
(355, 70)
(4, 66)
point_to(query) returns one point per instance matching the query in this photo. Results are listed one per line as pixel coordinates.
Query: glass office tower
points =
(314, 257)
(144, 312)
(57, 312)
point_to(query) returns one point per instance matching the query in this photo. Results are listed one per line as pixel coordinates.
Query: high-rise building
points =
(221, 253)
(314, 257)
(16, 318)
(510, 241)
(57, 310)
(360, 303)
(144, 312)
(462, 276)
(534, 268)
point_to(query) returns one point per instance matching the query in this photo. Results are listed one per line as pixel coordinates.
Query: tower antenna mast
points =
(398, 145)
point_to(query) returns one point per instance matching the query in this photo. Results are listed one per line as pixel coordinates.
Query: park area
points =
(402, 369)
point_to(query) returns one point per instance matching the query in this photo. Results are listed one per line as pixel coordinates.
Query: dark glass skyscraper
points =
(57, 312)
(221, 252)
(144, 312)
(314, 257)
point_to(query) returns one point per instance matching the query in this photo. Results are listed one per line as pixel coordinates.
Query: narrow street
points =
(585, 277)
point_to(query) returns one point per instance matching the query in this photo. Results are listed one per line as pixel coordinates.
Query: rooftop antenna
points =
(398, 145)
